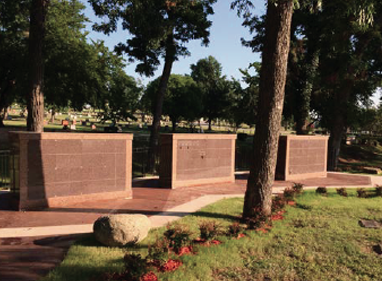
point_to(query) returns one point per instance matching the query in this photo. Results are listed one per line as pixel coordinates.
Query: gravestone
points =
(370, 223)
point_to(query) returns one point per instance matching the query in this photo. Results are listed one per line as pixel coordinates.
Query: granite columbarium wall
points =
(193, 159)
(301, 157)
(56, 169)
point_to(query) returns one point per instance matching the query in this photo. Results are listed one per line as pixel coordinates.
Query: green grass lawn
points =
(354, 157)
(319, 239)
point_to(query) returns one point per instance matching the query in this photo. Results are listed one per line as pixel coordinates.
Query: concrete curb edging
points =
(158, 220)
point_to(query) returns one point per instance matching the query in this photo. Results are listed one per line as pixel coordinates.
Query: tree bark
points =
(154, 135)
(302, 112)
(35, 99)
(334, 146)
(258, 196)
(173, 121)
(210, 124)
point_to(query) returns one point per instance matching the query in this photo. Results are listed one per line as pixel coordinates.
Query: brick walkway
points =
(28, 259)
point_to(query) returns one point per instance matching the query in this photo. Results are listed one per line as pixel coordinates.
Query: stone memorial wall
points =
(301, 157)
(56, 169)
(192, 159)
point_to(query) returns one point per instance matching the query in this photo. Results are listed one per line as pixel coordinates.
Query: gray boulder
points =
(120, 230)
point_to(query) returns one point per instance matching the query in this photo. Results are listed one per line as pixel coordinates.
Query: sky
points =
(225, 44)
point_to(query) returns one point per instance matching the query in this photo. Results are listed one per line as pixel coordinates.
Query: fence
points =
(243, 158)
(140, 159)
(5, 178)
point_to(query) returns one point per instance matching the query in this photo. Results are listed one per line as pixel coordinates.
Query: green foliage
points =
(322, 190)
(289, 194)
(258, 220)
(183, 99)
(235, 229)
(298, 188)
(342, 191)
(278, 203)
(215, 88)
(135, 266)
(378, 191)
(159, 250)
(361, 193)
(76, 72)
(209, 230)
(321, 243)
(178, 236)
(155, 27)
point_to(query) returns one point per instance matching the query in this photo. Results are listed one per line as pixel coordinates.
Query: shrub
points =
(322, 190)
(209, 230)
(289, 194)
(235, 229)
(342, 191)
(258, 220)
(135, 266)
(159, 250)
(298, 188)
(278, 203)
(361, 193)
(178, 236)
(378, 190)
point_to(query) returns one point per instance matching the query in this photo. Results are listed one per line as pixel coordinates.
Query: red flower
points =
(185, 250)
(149, 277)
(171, 265)
(241, 235)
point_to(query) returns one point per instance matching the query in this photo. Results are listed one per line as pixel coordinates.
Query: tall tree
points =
(158, 28)
(258, 196)
(183, 100)
(13, 48)
(207, 73)
(35, 100)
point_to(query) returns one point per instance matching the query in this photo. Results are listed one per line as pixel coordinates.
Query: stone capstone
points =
(120, 230)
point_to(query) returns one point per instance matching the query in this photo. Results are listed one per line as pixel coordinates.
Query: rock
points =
(370, 224)
(120, 230)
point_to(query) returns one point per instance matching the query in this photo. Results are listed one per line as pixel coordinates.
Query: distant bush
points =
(322, 190)
(298, 188)
(342, 191)
(289, 194)
(361, 193)
(378, 191)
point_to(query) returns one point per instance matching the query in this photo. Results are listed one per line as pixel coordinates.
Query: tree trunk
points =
(334, 146)
(173, 121)
(35, 100)
(154, 135)
(210, 124)
(258, 196)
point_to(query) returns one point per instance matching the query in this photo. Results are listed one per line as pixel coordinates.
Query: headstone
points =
(370, 224)
(73, 127)
(84, 123)
(9, 117)
(94, 127)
